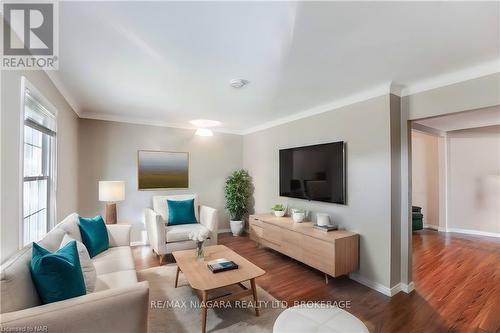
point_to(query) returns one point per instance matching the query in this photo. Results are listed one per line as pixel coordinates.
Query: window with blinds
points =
(39, 166)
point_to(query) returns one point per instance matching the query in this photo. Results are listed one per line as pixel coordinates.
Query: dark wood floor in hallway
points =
(457, 284)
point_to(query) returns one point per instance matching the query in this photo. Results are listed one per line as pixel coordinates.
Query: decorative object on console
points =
(279, 210)
(199, 237)
(325, 228)
(162, 170)
(298, 215)
(237, 191)
(111, 192)
(322, 219)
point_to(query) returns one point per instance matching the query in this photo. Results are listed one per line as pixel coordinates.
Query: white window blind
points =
(39, 165)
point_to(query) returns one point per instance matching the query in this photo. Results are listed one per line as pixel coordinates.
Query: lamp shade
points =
(111, 191)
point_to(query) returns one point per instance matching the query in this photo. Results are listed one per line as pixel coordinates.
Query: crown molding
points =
(470, 73)
(64, 92)
(142, 121)
(377, 91)
(484, 69)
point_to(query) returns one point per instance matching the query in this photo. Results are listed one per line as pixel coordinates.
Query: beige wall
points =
(425, 175)
(67, 153)
(365, 127)
(474, 179)
(108, 151)
(467, 95)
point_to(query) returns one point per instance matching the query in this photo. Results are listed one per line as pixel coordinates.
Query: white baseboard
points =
(462, 231)
(371, 284)
(431, 226)
(474, 232)
(434, 227)
(407, 288)
(221, 231)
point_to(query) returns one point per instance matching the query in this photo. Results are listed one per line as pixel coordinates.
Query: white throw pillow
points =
(88, 269)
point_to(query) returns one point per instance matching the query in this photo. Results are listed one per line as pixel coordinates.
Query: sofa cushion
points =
(70, 226)
(116, 280)
(57, 275)
(17, 290)
(181, 212)
(160, 204)
(94, 234)
(52, 240)
(180, 233)
(113, 260)
(88, 269)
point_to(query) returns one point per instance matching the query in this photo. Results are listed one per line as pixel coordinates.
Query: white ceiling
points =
(169, 62)
(463, 120)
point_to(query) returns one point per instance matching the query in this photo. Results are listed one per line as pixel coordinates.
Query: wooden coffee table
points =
(202, 280)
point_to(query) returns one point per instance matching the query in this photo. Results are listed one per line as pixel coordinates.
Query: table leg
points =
(177, 276)
(204, 299)
(254, 292)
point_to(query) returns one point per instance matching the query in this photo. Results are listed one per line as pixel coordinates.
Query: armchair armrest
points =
(113, 310)
(209, 218)
(119, 234)
(156, 231)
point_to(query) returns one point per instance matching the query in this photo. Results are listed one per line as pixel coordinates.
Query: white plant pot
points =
(279, 213)
(236, 227)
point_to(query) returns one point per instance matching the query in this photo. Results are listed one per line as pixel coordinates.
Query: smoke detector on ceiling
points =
(238, 83)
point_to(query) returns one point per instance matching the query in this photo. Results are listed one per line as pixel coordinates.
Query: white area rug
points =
(177, 310)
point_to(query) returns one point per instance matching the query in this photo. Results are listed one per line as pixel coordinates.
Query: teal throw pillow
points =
(57, 275)
(94, 234)
(181, 212)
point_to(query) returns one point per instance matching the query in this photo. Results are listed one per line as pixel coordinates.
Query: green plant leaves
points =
(237, 192)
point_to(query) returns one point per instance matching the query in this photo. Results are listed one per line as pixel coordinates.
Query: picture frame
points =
(162, 170)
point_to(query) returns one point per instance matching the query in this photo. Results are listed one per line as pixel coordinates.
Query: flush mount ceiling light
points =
(204, 132)
(205, 123)
(238, 83)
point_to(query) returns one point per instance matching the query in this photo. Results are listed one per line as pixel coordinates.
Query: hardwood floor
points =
(457, 282)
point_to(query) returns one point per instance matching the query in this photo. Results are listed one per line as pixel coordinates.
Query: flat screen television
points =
(314, 172)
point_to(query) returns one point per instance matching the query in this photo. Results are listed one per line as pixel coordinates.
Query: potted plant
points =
(237, 193)
(279, 210)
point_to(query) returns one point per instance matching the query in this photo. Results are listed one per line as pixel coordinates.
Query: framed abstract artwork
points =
(159, 170)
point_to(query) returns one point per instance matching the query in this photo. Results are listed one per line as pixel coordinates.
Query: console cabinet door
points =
(318, 254)
(292, 244)
(255, 232)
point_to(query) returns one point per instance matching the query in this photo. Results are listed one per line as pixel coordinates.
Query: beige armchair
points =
(165, 239)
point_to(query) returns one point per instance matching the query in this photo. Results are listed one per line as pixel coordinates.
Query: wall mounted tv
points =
(314, 172)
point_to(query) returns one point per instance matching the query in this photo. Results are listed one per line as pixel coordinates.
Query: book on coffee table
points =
(325, 228)
(221, 265)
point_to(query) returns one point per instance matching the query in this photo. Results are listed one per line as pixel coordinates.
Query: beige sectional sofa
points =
(118, 304)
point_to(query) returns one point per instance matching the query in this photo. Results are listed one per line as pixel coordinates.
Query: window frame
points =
(52, 178)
